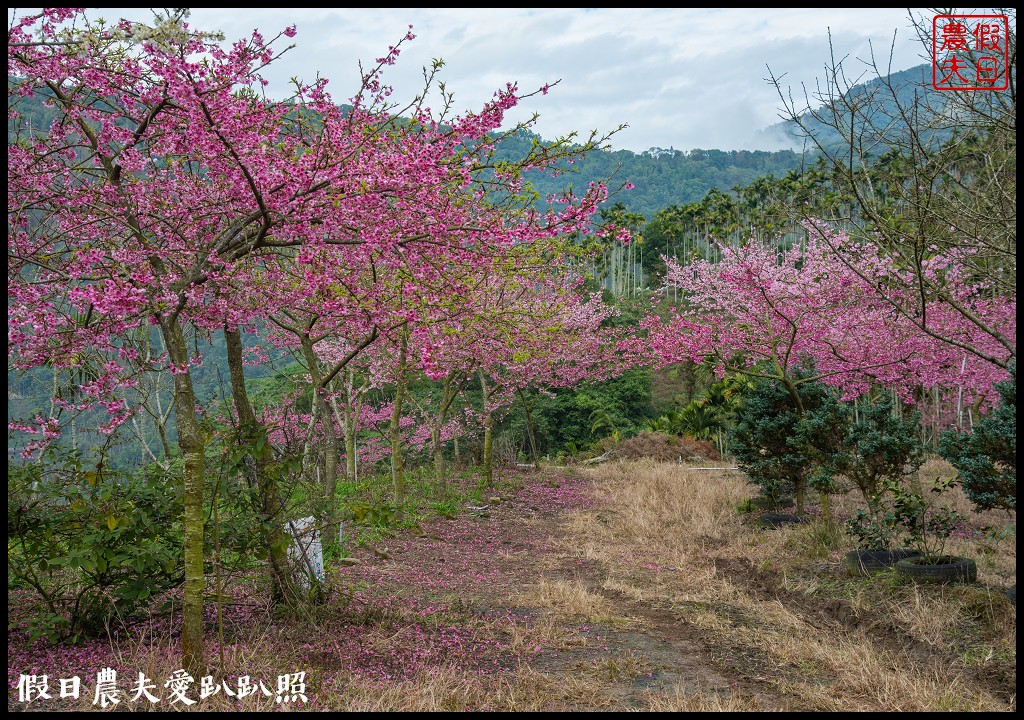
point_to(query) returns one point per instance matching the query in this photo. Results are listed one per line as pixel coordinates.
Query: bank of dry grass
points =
(673, 536)
(772, 610)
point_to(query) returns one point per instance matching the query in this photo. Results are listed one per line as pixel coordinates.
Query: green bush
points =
(568, 416)
(873, 529)
(986, 459)
(880, 448)
(928, 526)
(95, 544)
(783, 446)
(881, 445)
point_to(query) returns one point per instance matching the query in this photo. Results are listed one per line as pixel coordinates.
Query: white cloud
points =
(678, 77)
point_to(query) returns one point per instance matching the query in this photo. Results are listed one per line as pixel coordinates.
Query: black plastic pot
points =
(945, 569)
(761, 502)
(868, 562)
(777, 520)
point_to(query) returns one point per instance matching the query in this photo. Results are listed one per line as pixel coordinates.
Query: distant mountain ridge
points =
(663, 177)
(904, 87)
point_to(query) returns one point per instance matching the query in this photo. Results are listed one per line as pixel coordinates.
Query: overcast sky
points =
(682, 78)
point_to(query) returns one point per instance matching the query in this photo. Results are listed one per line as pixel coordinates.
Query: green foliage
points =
(699, 421)
(784, 446)
(879, 449)
(696, 420)
(881, 445)
(927, 525)
(603, 424)
(661, 176)
(986, 458)
(255, 491)
(272, 390)
(445, 508)
(872, 529)
(583, 415)
(97, 545)
(670, 423)
(379, 515)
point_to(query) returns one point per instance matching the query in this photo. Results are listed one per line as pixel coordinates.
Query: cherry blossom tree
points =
(168, 184)
(807, 315)
(157, 178)
(763, 313)
(545, 335)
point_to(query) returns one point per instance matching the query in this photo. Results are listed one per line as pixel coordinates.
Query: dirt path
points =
(648, 649)
(605, 629)
(630, 587)
(619, 654)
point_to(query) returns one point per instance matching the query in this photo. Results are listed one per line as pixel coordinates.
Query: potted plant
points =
(881, 447)
(874, 533)
(928, 528)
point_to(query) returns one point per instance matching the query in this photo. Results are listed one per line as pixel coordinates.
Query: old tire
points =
(777, 520)
(868, 562)
(771, 505)
(948, 569)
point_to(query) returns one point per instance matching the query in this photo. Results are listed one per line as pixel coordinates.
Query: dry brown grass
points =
(679, 700)
(524, 690)
(668, 502)
(668, 517)
(569, 597)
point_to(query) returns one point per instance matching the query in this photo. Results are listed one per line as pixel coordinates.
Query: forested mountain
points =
(881, 94)
(674, 177)
(663, 177)
(683, 196)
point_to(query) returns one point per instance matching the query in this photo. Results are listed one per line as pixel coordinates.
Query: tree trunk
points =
(163, 438)
(271, 509)
(192, 446)
(528, 411)
(451, 391)
(397, 469)
(798, 486)
(329, 520)
(349, 425)
(440, 481)
(488, 433)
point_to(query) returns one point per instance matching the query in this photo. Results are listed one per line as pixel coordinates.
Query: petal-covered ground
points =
(635, 586)
(437, 598)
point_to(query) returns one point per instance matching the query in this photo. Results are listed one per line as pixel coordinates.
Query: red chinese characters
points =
(970, 52)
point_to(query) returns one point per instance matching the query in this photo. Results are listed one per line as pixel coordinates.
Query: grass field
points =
(626, 585)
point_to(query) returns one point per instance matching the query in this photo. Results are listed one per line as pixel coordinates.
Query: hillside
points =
(663, 177)
(886, 97)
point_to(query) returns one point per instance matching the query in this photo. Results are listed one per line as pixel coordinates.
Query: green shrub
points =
(986, 459)
(783, 446)
(928, 526)
(97, 545)
(881, 447)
